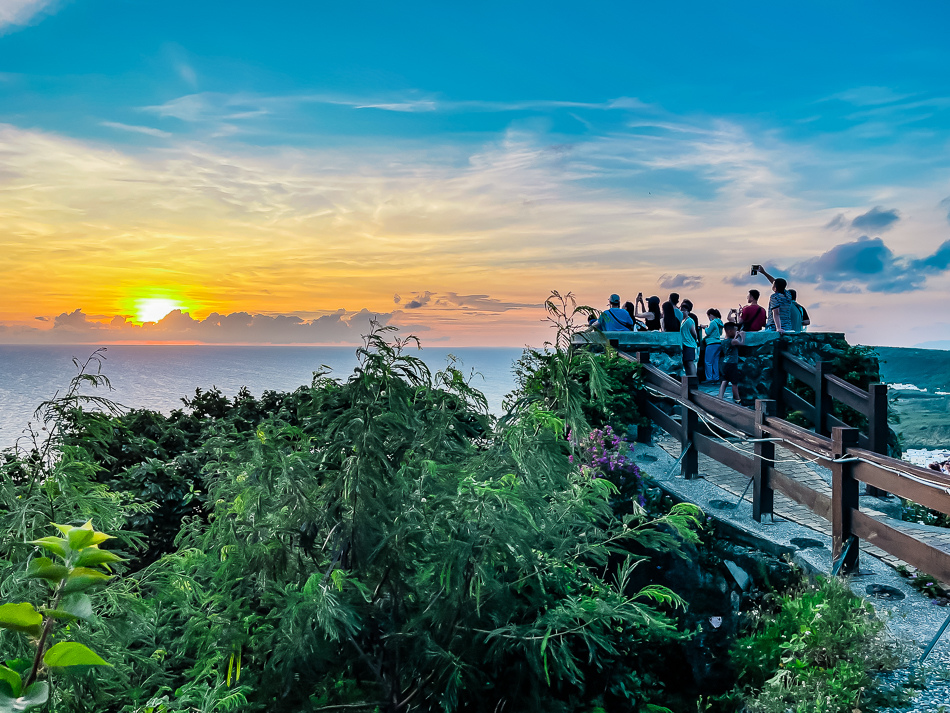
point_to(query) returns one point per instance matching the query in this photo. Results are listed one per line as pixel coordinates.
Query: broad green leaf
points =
(63, 528)
(73, 606)
(56, 545)
(81, 578)
(92, 555)
(80, 537)
(21, 617)
(45, 568)
(72, 653)
(12, 679)
(35, 696)
(21, 666)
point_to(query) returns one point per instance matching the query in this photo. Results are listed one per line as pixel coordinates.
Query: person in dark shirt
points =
(653, 307)
(669, 321)
(732, 339)
(636, 315)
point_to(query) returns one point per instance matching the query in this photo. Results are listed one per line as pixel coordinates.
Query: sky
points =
(285, 172)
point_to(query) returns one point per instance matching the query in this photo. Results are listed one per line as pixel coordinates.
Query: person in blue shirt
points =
(615, 319)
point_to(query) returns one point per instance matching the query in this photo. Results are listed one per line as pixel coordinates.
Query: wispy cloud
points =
(146, 130)
(22, 12)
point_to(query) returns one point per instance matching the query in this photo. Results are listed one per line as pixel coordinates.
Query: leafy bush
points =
(813, 652)
(69, 577)
(376, 543)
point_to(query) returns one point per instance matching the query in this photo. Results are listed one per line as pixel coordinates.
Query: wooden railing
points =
(710, 426)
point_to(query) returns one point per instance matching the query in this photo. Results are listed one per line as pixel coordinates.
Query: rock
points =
(740, 575)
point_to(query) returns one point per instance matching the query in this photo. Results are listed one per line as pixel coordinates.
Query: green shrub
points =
(813, 653)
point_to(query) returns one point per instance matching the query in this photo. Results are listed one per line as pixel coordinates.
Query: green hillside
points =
(925, 416)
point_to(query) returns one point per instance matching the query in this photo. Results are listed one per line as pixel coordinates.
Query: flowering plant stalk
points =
(606, 454)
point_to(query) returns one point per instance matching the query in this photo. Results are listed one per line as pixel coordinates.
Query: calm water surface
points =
(157, 377)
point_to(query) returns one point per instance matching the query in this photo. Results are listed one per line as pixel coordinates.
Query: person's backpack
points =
(798, 315)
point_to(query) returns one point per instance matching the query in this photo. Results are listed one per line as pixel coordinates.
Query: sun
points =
(154, 308)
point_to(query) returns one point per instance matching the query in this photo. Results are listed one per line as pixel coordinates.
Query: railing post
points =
(762, 493)
(877, 427)
(844, 498)
(689, 421)
(822, 398)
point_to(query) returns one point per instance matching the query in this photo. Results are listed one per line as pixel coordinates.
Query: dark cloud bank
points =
(875, 220)
(340, 327)
(865, 264)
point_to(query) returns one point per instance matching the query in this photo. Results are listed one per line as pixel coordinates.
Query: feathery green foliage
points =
(378, 543)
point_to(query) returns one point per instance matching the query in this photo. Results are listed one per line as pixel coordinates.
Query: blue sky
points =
(496, 150)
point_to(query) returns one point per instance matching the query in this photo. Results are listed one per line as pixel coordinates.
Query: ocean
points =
(158, 376)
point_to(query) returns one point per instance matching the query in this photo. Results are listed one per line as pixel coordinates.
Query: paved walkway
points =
(911, 617)
(818, 479)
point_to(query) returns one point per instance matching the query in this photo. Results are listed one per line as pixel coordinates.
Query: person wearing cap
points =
(615, 319)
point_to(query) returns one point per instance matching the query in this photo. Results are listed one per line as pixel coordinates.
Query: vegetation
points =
(813, 651)
(374, 544)
(69, 577)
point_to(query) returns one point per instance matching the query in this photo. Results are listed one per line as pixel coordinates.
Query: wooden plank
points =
(924, 557)
(664, 420)
(719, 451)
(848, 394)
(903, 487)
(818, 503)
(798, 435)
(660, 381)
(835, 422)
(737, 417)
(794, 402)
(801, 370)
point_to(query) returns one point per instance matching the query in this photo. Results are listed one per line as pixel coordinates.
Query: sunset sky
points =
(279, 172)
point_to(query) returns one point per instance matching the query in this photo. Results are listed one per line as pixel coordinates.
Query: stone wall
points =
(757, 358)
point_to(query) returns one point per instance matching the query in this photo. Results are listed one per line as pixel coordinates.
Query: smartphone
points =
(755, 270)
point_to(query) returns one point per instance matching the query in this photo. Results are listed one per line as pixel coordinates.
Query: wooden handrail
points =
(848, 394)
(801, 370)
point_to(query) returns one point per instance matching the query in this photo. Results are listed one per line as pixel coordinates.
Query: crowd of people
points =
(718, 341)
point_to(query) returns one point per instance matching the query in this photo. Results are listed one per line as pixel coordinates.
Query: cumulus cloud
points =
(876, 219)
(945, 203)
(869, 264)
(672, 282)
(339, 327)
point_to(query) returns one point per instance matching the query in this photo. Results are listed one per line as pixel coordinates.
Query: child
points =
(731, 342)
